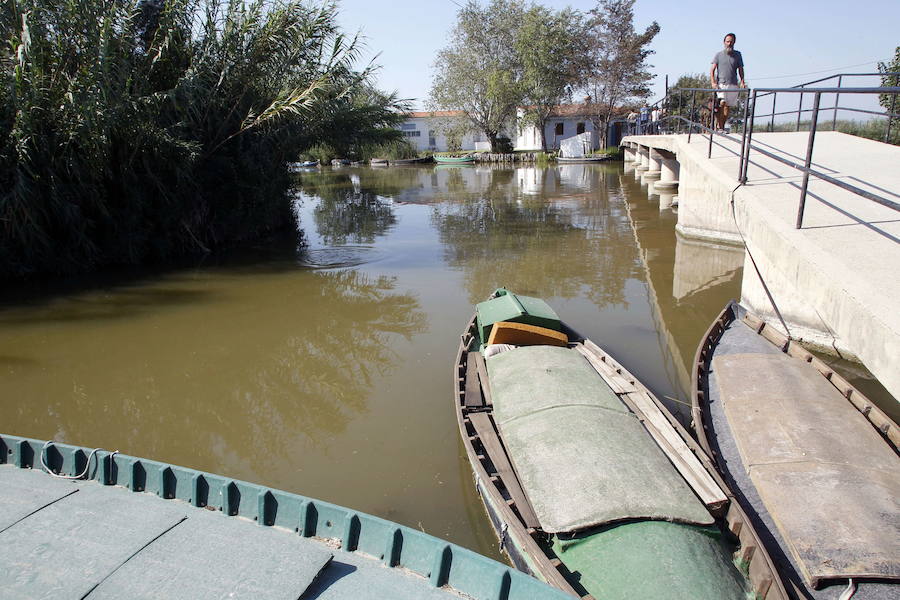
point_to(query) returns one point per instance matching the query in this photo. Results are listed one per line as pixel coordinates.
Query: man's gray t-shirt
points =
(727, 66)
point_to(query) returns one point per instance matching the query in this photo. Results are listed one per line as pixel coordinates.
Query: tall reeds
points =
(133, 131)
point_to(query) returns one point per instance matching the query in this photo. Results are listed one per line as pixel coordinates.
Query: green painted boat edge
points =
(444, 564)
(449, 160)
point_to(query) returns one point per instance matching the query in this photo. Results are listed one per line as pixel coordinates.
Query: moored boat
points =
(454, 160)
(394, 162)
(810, 459)
(108, 525)
(590, 483)
(582, 159)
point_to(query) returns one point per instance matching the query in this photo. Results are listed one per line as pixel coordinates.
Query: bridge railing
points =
(700, 118)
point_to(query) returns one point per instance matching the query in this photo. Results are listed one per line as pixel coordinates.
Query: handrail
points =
(752, 95)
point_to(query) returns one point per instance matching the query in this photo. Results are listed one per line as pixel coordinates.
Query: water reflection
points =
(562, 246)
(246, 368)
(688, 284)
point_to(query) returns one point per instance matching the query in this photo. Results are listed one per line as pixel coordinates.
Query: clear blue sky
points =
(784, 42)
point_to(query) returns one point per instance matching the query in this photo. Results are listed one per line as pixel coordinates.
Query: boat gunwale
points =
(337, 527)
(700, 414)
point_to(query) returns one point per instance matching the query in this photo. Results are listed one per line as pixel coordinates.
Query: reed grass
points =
(136, 131)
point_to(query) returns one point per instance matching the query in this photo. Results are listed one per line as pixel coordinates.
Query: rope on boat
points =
(503, 537)
(848, 593)
(80, 475)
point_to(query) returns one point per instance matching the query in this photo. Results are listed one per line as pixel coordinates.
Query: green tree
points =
(892, 66)
(679, 102)
(551, 50)
(479, 72)
(620, 73)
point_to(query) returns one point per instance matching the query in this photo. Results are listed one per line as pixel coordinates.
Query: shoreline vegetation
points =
(139, 132)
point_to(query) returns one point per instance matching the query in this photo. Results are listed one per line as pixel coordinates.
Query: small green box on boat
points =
(506, 306)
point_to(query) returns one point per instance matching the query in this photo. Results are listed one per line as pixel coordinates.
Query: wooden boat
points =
(108, 525)
(378, 162)
(590, 483)
(582, 159)
(454, 160)
(823, 483)
(409, 161)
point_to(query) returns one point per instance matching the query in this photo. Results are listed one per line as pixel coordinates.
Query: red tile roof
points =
(436, 113)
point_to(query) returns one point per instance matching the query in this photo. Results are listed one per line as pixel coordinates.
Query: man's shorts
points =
(729, 97)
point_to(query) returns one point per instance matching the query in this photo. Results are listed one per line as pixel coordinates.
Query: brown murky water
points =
(326, 371)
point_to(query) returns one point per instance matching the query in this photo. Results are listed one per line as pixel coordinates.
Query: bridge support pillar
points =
(668, 180)
(644, 153)
(654, 164)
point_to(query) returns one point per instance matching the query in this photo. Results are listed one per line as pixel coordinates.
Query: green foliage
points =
(554, 59)
(479, 71)
(620, 73)
(397, 149)
(136, 131)
(890, 81)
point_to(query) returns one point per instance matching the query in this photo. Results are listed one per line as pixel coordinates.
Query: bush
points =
(137, 131)
(503, 145)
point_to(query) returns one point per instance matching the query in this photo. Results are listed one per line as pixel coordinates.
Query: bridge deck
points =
(844, 264)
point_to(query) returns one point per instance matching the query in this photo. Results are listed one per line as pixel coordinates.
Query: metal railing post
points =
(691, 115)
(809, 151)
(799, 112)
(836, 96)
(746, 152)
(887, 133)
(744, 136)
(772, 122)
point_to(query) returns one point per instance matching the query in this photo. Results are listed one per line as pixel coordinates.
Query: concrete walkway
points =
(836, 281)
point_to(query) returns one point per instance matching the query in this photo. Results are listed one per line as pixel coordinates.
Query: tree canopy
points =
(479, 71)
(550, 47)
(620, 73)
(892, 66)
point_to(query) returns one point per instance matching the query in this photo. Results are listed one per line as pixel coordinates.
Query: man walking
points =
(727, 67)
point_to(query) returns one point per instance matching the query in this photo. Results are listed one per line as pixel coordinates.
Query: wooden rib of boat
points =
(823, 480)
(454, 160)
(590, 483)
(108, 525)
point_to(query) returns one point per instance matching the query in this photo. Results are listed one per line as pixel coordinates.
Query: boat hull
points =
(715, 436)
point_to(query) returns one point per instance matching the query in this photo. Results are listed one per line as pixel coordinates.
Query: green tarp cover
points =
(582, 457)
(653, 559)
(812, 456)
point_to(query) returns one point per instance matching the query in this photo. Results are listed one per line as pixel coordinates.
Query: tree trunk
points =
(492, 138)
(543, 129)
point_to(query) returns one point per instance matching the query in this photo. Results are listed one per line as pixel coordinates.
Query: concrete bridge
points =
(836, 280)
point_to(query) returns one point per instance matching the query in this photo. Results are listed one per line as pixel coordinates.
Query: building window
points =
(431, 138)
(476, 137)
(408, 126)
(412, 133)
(579, 128)
(559, 129)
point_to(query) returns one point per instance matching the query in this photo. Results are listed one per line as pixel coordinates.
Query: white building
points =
(565, 121)
(426, 130)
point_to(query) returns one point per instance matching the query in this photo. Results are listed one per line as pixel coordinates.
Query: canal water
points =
(321, 362)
